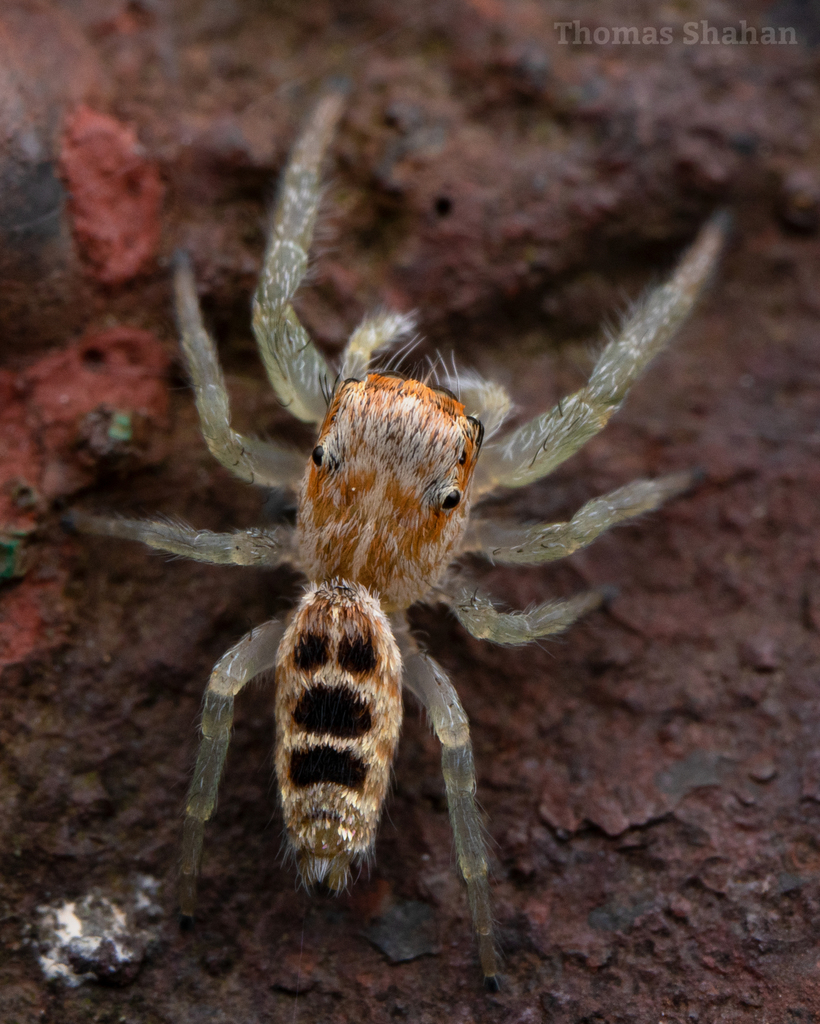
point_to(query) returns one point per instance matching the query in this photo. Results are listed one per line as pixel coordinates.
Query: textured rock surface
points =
(652, 781)
(115, 196)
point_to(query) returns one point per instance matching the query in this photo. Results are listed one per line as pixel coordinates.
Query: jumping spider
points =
(383, 509)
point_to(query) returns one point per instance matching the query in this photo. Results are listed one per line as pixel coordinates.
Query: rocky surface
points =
(651, 781)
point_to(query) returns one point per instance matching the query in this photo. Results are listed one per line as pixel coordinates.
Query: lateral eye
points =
(479, 429)
(462, 458)
(452, 499)
(318, 455)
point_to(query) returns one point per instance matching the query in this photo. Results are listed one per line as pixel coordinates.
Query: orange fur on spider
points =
(386, 497)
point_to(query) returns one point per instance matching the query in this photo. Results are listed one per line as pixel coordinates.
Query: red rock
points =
(26, 617)
(20, 459)
(118, 370)
(45, 415)
(116, 195)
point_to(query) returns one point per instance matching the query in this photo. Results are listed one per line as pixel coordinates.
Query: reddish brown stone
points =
(115, 196)
(117, 371)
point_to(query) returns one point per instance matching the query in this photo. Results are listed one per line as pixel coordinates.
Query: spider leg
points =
(254, 653)
(535, 449)
(252, 460)
(546, 542)
(476, 613)
(298, 372)
(242, 547)
(427, 681)
(374, 332)
(484, 399)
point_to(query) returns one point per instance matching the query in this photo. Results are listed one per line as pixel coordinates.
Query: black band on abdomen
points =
(325, 764)
(333, 710)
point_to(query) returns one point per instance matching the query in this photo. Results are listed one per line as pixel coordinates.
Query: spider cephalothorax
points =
(384, 506)
(386, 493)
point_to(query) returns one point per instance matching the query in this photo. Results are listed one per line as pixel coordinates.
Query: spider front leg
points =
(252, 460)
(374, 332)
(427, 681)
(484, 399)
(298, 372)
(262, 548)
(254, 653)
(546, 542)
(535, 449)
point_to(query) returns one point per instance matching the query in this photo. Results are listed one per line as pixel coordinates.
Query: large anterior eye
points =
(452, 499)
(317, 455)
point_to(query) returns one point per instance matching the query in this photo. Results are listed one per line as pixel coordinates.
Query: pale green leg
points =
(297, 370)
(535, 449)
(427, 681)
(476, 613)
(546, 542)
(252, 460)
(254, 653)
(373, 333)
(243, 547)
(484, 399)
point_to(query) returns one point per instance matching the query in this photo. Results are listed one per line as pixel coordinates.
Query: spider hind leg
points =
(429, 683)
(254, 653)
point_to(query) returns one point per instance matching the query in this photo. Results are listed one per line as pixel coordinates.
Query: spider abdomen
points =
(338, 717)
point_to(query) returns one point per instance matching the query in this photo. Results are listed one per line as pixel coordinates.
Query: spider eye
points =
(452, 499)
(462, 458)
(318, 454)
(479, 429)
